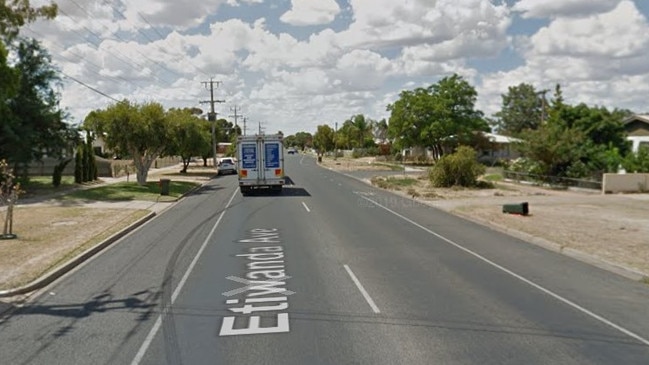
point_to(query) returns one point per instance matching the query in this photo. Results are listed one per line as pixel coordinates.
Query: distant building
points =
(637, 129)
(223, 147)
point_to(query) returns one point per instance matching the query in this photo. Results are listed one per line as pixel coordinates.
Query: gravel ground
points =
(611, 229)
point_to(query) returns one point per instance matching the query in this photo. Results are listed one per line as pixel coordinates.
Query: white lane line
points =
(519, 277)
(367, 297)
(306, 207)
(156, 326)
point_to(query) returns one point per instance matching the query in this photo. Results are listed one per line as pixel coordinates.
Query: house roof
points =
(499, 138)
(641, 117)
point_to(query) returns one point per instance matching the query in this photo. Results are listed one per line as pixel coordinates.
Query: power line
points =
(125, 41)
(88, 86)
(60, 54)
(162, 38)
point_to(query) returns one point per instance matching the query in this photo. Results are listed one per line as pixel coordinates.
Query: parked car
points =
(291, 151)
(226, 165)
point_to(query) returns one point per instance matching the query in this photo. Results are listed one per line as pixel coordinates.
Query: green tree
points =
(554, 147)
(8, 123)
(577, 140)
(521, 109)
(141, 130)
(380, 130)
(361, 131)
(78, 165)
(440, 117)
(323, 139)
(16, 13)
(300, 140)
(33, 123)
(188, 136)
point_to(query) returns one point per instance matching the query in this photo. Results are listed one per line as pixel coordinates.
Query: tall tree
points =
(323, 139)
(141, 130)
(361, 130)
(441, 116)
(380, 130)
(521, 109)
(35, 123)
(187, 136)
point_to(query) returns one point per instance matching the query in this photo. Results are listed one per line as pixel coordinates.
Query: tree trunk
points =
(9, 218)
(143, 163)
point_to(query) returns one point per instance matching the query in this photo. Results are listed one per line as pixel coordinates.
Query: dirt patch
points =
(614, 228)
(48, 236)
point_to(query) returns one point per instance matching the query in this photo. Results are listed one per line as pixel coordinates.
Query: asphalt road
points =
(332, 271)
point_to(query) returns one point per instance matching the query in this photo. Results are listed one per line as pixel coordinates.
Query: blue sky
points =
(294, 64)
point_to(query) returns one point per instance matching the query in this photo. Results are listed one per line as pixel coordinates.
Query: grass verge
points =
(125, 191)
(393, 183)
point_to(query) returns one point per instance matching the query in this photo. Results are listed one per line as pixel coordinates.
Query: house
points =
(637, 129)
(223, 147)
(500, 148)
(491, 148)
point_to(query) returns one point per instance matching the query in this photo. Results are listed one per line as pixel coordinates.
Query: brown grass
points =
(48, 236)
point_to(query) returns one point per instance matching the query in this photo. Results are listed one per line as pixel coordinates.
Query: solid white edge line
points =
(360, 287)
(156, 326)
(519, 277)
(306, 207)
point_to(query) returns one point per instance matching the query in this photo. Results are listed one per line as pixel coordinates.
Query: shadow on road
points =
(101, 303)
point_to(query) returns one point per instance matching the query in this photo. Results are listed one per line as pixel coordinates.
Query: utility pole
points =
(236, 117)
(244, 125)
(211, 116)
(542, 92)
(336, 141)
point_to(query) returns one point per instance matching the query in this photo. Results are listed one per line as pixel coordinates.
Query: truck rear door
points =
(250, 161)
(272, 160)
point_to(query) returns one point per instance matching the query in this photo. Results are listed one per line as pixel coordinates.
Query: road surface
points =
(332, 271)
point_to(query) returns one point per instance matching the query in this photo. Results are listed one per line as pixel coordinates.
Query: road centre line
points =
(360, 287)
(519, 277)
(306, 207)
(156, 326)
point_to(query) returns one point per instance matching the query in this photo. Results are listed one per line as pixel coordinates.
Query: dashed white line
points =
(519, 277)
(360, 287)
(306, 207)
(156, 326)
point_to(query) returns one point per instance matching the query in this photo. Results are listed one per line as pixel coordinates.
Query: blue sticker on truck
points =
(249, 156)
(272, 155)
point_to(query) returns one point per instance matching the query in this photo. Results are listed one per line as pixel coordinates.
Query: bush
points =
(637, 162)
(458, 169)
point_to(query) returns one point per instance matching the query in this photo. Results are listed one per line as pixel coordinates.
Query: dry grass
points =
(48, 236)
(612, 227)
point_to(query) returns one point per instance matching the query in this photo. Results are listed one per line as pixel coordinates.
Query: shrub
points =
(637, 162)
(457, 169)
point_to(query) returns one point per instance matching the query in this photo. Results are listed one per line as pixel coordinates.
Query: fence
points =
(556, 181)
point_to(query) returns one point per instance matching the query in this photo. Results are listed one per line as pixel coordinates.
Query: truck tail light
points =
(278, 172)
(243, 173)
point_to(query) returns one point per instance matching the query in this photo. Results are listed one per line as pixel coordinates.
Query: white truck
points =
(260, 162)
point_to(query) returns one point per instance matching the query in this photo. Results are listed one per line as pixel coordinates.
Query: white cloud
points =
(622, 32)
(309, 12)
(562, 8)
(599, 59)
(294, 80)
